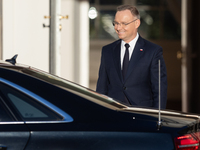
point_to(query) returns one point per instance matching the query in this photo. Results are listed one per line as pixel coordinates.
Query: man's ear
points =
(137, 22)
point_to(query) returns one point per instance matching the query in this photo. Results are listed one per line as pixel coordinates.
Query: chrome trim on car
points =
(12, 122)
(32, 122)
(66, 117)
(42, 122)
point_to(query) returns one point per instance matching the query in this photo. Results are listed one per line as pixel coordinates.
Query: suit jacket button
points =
(124, 88)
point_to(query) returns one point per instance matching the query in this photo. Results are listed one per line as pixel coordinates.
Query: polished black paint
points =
(94, 126)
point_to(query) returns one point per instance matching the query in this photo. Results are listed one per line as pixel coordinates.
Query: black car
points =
(40, 111)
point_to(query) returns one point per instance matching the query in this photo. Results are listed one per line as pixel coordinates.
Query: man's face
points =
(126, 32)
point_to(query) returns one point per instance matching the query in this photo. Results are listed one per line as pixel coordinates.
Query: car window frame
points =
(53, 108)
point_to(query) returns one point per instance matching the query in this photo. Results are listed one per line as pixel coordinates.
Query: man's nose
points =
(118, 26)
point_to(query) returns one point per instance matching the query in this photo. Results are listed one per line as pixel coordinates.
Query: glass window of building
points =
(158, 21)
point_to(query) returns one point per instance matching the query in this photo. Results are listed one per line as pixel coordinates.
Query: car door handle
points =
(2, 147)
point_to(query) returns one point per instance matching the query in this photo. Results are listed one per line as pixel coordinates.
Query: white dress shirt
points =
(131, 48)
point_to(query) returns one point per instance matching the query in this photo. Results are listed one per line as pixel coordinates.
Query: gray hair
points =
(132, 9)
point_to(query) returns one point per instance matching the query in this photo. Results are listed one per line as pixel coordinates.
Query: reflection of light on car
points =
(108, 26)
(92, 14)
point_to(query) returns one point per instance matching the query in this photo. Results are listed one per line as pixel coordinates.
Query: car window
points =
(4, 114)
(26, 107)
(26, 110)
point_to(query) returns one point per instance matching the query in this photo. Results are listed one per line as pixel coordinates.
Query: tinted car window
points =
(4, 114)
(26, 107)
(26, 110)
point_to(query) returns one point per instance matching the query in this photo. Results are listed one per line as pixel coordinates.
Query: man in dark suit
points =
(129, 70)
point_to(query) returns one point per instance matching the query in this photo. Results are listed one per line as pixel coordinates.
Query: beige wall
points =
(23, 33)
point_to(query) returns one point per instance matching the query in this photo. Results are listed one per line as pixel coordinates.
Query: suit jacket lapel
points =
(116, 58)
(137, 53)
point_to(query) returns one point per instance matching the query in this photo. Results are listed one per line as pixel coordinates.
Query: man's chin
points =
(120, 36)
